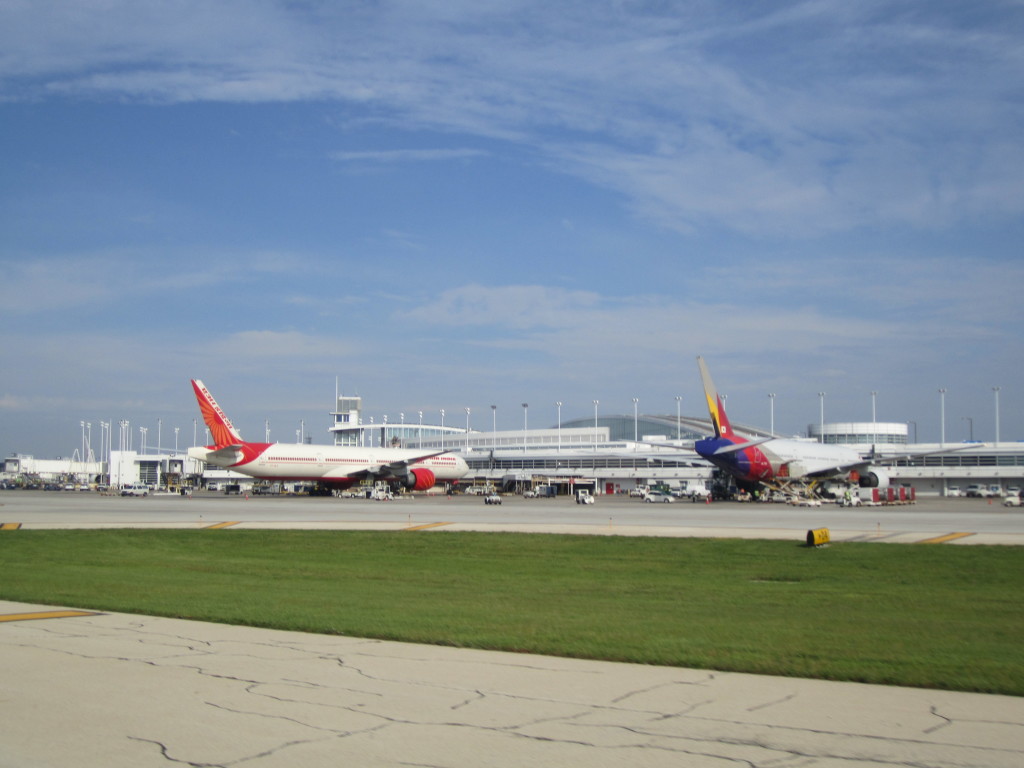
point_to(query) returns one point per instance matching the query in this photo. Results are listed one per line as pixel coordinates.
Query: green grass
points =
(918, 615)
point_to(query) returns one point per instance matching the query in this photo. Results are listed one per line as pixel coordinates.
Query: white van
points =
(134, 489)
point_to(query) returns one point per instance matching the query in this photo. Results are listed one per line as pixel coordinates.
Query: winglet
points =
(221, 428)
(715, 407)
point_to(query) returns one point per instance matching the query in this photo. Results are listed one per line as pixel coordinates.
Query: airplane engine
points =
(873, 478)
(419, 480)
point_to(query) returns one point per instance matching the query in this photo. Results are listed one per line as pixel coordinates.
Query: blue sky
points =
(460, 204)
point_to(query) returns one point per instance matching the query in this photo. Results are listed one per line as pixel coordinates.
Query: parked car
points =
(134, 489)
(1012, 501)
(979, 491)
(657, 497)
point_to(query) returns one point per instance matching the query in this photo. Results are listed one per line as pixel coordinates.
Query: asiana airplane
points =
(784, 464)
(333, 466)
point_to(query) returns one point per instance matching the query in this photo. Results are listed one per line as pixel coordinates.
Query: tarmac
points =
(105, 689)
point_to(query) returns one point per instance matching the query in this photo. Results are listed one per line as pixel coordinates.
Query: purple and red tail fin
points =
(221, 428)
(715, 405)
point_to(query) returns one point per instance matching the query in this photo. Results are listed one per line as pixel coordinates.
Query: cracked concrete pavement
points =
(120, 690)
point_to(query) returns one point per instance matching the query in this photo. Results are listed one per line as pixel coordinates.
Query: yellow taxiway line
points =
(44, 615)
(221, 525)
(9, 526)
(424, 527)
(944, 539)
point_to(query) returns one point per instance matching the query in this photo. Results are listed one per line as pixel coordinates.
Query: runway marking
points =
(944, 539)
(221, 525)
(424, 527)
(45, 615)
(10, 526)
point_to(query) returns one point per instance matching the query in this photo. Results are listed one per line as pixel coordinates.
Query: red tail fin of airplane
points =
(715, 406)
(221, 428)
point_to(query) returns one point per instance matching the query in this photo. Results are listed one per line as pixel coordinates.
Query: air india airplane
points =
(334, 466)
(782, 463)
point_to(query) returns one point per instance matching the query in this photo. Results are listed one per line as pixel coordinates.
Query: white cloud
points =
(408, 155)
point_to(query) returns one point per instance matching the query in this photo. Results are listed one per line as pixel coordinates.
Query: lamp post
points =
(771, 410)
(176, 437)
(636, 428)
(874, 422)
(679, 418)
(995, 391)
(915, 430)
(970, 427)
(558, 405)
(467, 429)
(442, 429)
(821, 432)
(526, 411)
(595, 425)
(942, 416)
(494, 428)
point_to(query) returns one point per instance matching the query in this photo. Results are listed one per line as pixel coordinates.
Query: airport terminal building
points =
(605, 454)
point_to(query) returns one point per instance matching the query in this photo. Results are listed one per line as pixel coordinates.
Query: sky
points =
(450, 205)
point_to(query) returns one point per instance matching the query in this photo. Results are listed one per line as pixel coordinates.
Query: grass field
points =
(917, 615)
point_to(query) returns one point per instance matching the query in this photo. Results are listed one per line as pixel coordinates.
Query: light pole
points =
(821, 434)
(176, 438)
(159, 435)
(942, 416)
(467, 429)
(915, 430)
(526, 411)
(266, 431)
(558, 405)
(636, 429)
(970, 426)
(995, 391)
(494, 428)
(595, 425)
(679, 418)
(874, 422)
(771, 410)
(442, 429)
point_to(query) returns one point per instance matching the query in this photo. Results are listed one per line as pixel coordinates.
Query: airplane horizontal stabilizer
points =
(733, 447)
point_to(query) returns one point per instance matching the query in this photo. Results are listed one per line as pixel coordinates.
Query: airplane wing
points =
(387, 469)
(873, 460)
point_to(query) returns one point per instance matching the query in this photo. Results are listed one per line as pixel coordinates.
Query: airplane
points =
(333, 466)
(784, 464)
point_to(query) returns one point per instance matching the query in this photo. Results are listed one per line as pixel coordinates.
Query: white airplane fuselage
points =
(326, 463)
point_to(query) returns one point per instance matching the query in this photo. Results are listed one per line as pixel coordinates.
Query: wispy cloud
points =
(408, 155)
